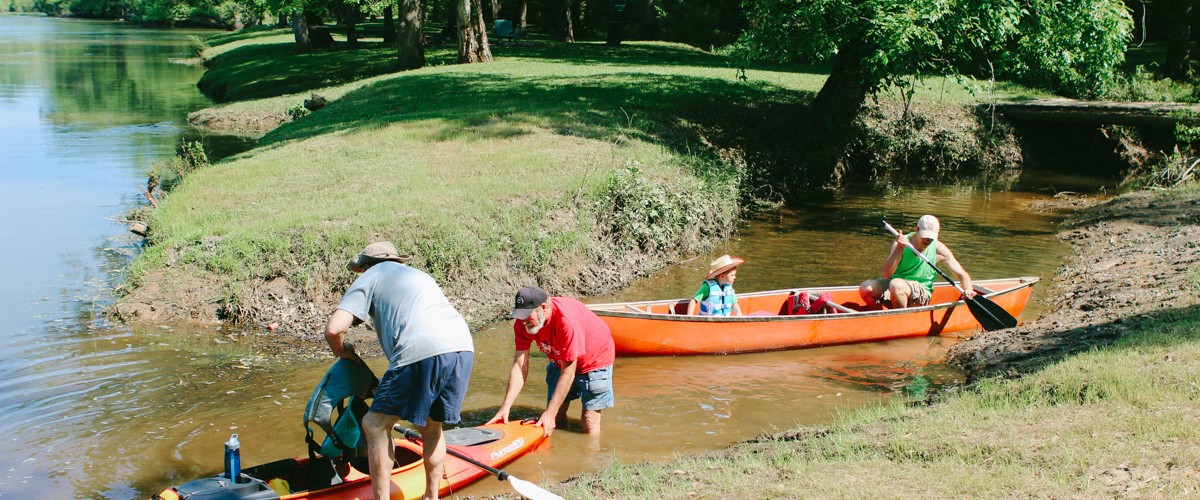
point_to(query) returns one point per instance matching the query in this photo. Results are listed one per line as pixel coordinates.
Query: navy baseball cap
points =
(527, 300)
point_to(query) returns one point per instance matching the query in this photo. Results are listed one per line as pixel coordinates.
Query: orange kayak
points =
(663, 328)
(299, 477)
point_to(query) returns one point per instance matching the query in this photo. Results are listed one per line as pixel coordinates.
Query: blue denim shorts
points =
(431, 388)
(594, 388)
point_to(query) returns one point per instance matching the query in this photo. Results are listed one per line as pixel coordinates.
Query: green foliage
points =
(1073, 47)
(198, 45)
(48, 7)
(1181, 166)
(1141, 84)
(297, 112)
(162, 178)
(637, 211)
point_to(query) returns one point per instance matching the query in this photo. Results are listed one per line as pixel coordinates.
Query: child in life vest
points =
(716, 296)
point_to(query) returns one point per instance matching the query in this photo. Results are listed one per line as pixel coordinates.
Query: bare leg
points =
(591, 422)
(561, 419)
(378, 427)
(872, 290)
(900, 292)
(434, 450)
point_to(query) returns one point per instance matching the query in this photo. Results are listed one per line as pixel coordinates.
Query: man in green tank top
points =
(907, 280)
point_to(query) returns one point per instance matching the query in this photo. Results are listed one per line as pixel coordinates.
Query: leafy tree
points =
(1073, 46)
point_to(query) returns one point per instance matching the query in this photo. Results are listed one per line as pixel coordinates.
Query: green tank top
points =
(913, 268)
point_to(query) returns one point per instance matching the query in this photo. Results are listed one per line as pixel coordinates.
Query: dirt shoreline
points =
(1136, 257)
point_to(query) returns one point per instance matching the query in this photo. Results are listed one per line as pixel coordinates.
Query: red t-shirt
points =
(572, 332)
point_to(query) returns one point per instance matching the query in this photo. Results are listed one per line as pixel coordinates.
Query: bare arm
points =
(339, 323)
(944, 253)
(893, 258)
(565, 381)
(516, 381)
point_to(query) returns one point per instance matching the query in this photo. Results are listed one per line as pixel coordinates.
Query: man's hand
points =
(547, 422)
(500, 418)
(349, 353)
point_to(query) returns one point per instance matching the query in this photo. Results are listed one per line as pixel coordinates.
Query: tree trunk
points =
(616, 23)
(300, 30)
(647, 24)
(410, 53)
(568, 33)
(1179, 26)
(523, 13)
(350, 14)
(472, 34)
(832, 113)
(389, 26)
(496, 14)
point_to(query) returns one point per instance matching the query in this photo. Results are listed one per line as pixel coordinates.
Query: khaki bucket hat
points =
(375, 253)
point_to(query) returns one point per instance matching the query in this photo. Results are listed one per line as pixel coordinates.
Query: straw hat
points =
(723, 264)
(375, 253)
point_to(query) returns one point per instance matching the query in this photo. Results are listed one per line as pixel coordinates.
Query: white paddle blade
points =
(530, 490)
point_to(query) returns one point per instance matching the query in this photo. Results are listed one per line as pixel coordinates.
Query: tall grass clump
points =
(1177, 168)
(640, 212)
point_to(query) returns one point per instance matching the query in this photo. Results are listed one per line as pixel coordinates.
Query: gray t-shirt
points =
(412, 316)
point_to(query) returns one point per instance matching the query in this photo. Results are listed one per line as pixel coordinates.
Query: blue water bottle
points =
(233, 459)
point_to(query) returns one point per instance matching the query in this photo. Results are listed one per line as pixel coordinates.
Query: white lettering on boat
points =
(496, 455)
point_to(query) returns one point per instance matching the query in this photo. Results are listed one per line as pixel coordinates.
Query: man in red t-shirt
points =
(581, 353)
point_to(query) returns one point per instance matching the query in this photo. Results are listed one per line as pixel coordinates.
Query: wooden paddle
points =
(989, 314)
(525, 488)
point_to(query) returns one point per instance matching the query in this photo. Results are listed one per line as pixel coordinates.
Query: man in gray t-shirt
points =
(429, 351)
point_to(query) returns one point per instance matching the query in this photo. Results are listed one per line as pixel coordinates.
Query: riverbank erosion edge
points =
(485, 208)
(1136, 258)
(1096, 399)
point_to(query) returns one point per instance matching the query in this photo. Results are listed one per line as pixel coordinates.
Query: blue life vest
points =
(720, 300)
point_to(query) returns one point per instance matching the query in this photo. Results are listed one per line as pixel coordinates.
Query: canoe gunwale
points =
(619, 309)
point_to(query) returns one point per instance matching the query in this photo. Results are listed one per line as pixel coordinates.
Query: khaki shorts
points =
(918, 296)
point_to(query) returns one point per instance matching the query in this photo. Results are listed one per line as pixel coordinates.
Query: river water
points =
(100, 410)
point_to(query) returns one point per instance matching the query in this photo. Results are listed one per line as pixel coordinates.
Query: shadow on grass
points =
(1156, 328)
(245, 34)
(268, 70)
(633, 54)
(693, 115)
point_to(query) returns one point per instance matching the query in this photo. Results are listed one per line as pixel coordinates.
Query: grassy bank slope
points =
(578, 175)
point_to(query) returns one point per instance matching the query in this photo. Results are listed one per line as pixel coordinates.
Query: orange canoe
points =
(491, 444)
(663, 328)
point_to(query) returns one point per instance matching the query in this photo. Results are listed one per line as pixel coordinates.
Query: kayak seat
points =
(320, 475)
(471, 436)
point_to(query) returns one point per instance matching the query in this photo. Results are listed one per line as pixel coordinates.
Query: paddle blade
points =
(990, 315)
(530, 490)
